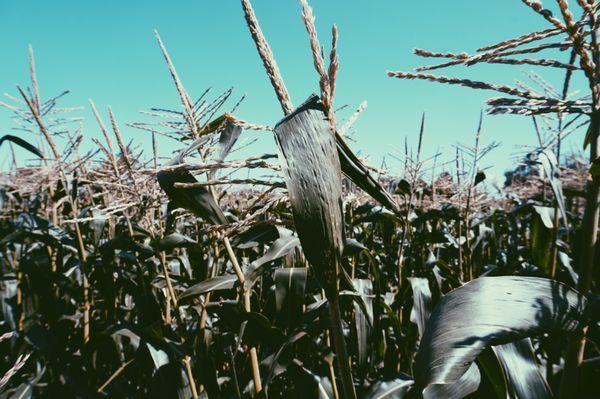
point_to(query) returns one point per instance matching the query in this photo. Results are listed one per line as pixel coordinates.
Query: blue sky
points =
(105, 50)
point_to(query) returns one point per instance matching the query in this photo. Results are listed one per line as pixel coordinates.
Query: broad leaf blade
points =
(422, 302)
(362, 321)
(280, 248)
(21, 143)
(466, 385)
(490, 311)
(356, 171)
(227, 139)
(479, 177)
(225, 282)
(313, 178)
(198, 200)
(258, 234)
(550, 167)
(525, 380)
(390, 389)
(290, 286)
(174, 240)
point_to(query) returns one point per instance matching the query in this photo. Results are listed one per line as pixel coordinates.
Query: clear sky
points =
(105, 50)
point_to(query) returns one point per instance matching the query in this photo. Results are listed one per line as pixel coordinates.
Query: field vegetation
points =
(306, 273)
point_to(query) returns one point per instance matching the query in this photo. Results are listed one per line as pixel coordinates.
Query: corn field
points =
(307, 273)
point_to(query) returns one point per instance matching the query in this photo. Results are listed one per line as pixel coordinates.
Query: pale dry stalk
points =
(190, 116)
(465, 82)
(267, 57)
(124, 152)
(538, 7)
(578, 41)
(246, 294)
(309, 22)
(81, 247)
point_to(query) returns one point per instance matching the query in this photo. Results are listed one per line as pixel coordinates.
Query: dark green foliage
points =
(314, 182)
(21, 143)
(289, 321)
(515, 307)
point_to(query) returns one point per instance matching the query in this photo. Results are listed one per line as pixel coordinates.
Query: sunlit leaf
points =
(467, 320)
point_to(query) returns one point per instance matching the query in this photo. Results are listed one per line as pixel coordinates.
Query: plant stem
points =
(337, 334)
(589, 232)
(336, 393)
(589, 229)
(114, 375)
(80, 245)
(188, 371)
(171, 294)
(247, 307)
